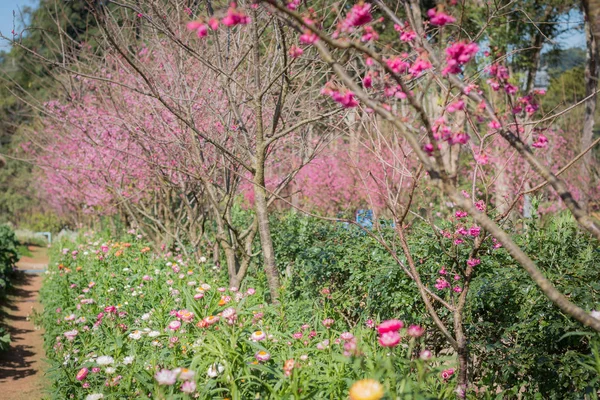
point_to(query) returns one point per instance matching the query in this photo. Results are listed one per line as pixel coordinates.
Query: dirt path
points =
(21, 367)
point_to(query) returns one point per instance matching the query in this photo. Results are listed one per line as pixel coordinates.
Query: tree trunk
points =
(591, 83)
(264, 229)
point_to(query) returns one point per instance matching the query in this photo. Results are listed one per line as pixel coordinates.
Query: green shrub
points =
(8, 256)
(518, 339)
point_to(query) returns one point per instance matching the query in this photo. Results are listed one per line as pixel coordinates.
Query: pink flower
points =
(358, 15)
(295, 51)
(415, 331)
(457, 289)
(541, 142)
(346, 336)
(510, 89)
(406, 34)
(389, 339)
(70, 335)
(188, 387)
(494, 125)
(447, 373)
(481, 159)
(250, 291)
(370, 323)
(439, 18)
(420, 65)
(198, 296)
(456, 106)
(443, 271)
(459, 54)
(328, 322)
(461, 214)
(297, 335)
(425, 355)
(258, 336)
(83, 372)
(370, 34)
(323, 345)
(262, 356)
(235, 17)
(185, 315)
(480, 205)
(294, 4)
(474, 231)
(391, 325)
(308, 37)
(472, 262)
(397, 64)
(457, 277)
(174, 325)
(441, 284)
(213, 23)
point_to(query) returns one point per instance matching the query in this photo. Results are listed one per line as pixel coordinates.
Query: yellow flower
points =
(366, 389)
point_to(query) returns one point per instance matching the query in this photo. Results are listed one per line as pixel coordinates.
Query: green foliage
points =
(516, 334)
(8, 256)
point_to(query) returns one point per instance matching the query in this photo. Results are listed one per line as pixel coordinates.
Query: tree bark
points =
(591, 84)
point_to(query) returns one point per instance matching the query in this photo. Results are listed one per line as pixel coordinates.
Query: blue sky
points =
(7, 21)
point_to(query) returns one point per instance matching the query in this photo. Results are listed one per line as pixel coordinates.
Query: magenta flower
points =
(295, 51)
(439, 18)
(447, 373)
(472, 262)
(389, 339)
(391, 325)
(358, 15)
(235, 17)
(81, 375)
(457, 55)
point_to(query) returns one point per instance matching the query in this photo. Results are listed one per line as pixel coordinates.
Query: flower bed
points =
(124, 322)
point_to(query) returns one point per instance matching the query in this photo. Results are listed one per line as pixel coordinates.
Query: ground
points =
(22, 366)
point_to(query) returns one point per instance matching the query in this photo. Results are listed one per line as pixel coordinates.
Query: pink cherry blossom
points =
(439, 18)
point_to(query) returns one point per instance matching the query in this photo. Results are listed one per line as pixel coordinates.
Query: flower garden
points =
(125, 322)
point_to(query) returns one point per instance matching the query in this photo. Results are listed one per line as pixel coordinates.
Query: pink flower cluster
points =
(439, 18)
(389, 335)
(340, 95)
(458, 55)
(406, 34)
(235, 17)
(359, 14)
(541, 142)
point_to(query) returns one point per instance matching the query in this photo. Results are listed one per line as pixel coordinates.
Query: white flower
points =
(595, 314)
(202, 259)
(128, 360)
(110, 370)
(94, 396)
(136, 335)
(191, 283)
(146, 317)
(214, 370)
(105, 360)
(165, 377)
